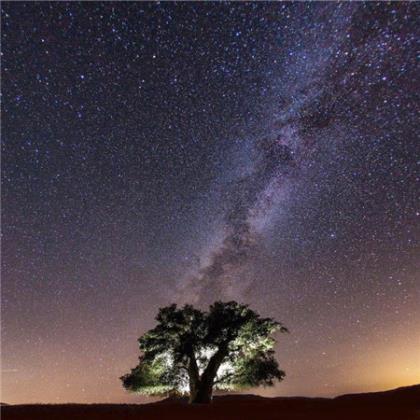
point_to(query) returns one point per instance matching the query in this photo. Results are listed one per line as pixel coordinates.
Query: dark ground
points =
(398, 404)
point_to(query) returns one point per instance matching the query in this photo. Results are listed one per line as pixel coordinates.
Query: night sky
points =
(184, 152)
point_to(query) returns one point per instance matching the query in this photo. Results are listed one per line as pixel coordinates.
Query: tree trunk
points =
(194, 377)
(203, 388)
(202, 394)
(193, 395)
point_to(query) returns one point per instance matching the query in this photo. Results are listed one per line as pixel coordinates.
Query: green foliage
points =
(150, 377)
(259, 369)
(229, 347)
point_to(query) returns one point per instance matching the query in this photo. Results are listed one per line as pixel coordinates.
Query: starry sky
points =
(186, 152)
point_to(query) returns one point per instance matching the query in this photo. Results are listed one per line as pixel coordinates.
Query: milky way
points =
(319, 97)
(160, 152)
(248, 196)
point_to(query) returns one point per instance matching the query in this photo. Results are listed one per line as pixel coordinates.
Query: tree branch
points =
(225, 377)
(193, 371)
(215, 362)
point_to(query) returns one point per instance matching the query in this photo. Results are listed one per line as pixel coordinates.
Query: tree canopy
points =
(230, 347)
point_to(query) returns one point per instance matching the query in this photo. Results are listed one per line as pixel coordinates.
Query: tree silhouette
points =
(193, 352)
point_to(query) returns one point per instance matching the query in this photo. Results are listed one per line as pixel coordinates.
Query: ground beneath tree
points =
(398, 404)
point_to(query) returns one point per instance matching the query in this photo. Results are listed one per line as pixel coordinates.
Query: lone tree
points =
(193, 352)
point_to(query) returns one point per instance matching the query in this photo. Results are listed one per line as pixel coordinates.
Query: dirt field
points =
(399, 404)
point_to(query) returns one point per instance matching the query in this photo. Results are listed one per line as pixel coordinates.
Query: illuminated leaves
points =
(229, 347)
